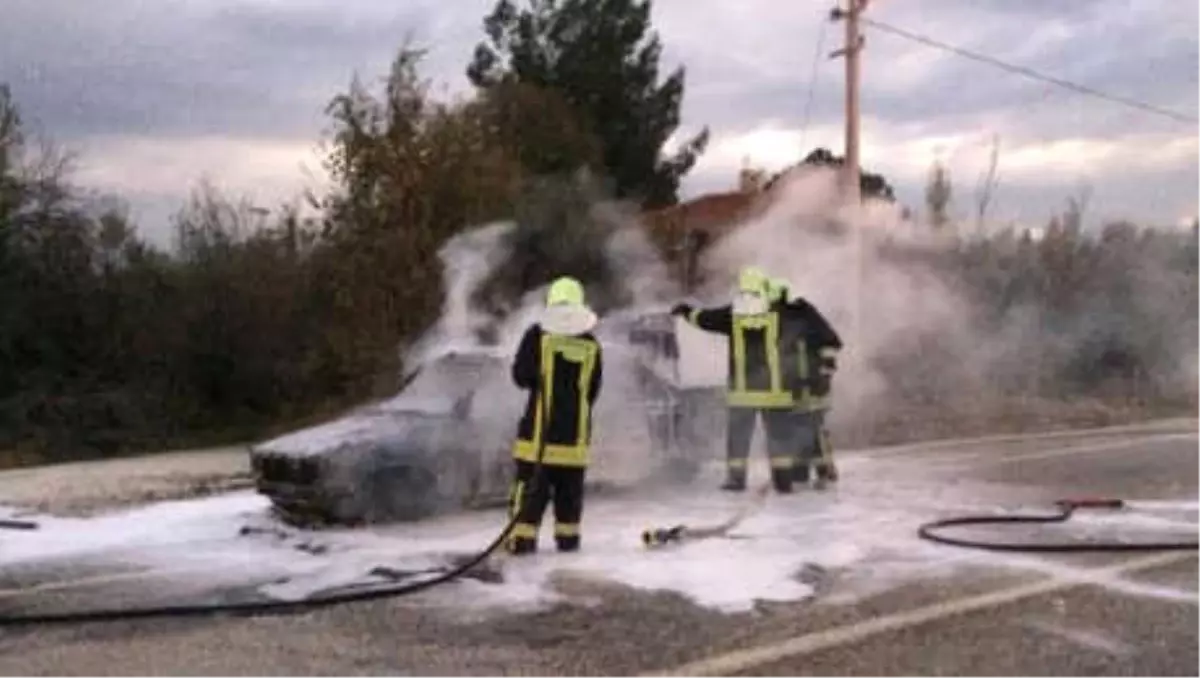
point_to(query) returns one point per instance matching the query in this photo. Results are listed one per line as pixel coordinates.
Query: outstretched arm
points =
(718, 320)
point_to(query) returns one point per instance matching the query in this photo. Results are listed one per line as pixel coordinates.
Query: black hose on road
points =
(278, 607)
(257, 608)
(1066, 508)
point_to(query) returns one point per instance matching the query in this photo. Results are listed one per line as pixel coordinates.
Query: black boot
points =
(734, 484)
(520, 546)
(782, 480)
(567, 544)
(800, 472)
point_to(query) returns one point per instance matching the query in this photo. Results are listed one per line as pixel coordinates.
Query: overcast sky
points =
(157, 94)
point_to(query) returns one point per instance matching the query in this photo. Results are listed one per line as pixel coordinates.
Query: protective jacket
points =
(565, 372)
(756, 376)
(809, 350)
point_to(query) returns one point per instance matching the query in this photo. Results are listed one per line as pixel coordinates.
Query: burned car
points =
(444, 442)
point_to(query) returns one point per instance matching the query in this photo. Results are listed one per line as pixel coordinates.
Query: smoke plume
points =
(836, 258)
(495, 278)
(925, 330)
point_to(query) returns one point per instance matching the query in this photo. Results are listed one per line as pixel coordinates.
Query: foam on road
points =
(763, 559)
(771, 556)
(834, 566)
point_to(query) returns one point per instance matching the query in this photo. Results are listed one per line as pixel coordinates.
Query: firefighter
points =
(756, 384)
(559, 363)
(810, 349)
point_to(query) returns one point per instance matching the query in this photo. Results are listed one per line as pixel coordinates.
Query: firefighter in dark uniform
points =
(810, 353)
(756, 382)
(559, 363)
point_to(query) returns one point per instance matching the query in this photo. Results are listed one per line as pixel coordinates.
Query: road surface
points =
(954, 613)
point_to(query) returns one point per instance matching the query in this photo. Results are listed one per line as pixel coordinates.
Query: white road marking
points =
(741, 660)
(932, 446)
(1146, 427)
(996, 459)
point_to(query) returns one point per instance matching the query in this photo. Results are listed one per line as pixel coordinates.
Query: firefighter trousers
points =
(780, 430)
(529, 497)
(813, 449)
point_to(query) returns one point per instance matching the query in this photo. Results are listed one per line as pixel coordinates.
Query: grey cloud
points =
(1027, 9)
(1148, 54)
(220, 67)
(174, 68)
(1146, 66)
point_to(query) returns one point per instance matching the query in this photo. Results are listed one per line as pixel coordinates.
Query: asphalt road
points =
(1087, 614)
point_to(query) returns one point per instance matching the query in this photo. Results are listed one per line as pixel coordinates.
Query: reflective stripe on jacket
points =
(569, 369)
(756, 377)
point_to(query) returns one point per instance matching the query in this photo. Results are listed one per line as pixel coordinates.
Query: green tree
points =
(410, 172)
(10, 146)
(601, 58)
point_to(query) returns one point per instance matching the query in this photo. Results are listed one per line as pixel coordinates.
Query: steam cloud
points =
(623, 417)
(914, 335)
(808, 237)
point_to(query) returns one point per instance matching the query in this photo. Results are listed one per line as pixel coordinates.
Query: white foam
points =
(726, 574)
(869, 533)
(165, 524)
(1162, 505)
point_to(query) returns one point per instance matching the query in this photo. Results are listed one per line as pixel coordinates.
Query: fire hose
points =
(281, 607)
(654, 537)
(269, 607)
(1065, 509)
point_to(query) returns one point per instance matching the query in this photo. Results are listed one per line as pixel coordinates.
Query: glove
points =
(682, 310)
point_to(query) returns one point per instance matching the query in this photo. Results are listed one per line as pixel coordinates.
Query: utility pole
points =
(851, 51)
(851, 187)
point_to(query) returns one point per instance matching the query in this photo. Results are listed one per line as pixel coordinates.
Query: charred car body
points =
(444, 442)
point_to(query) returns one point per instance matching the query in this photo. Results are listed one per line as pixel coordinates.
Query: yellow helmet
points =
(752, 280)
(565, 291)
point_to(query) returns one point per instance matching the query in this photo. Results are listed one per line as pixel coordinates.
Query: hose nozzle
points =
(661, 535)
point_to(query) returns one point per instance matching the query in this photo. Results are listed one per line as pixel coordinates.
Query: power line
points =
(1021, 70)
(812, 81)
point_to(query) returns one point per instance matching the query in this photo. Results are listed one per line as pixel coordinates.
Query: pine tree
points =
(601, 58)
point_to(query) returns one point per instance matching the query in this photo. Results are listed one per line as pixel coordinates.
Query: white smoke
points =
(467, 260)
(909, 332)
(832, 256)
(622, 417)
(804, 235)
(1192, 371)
